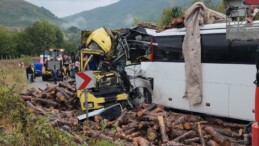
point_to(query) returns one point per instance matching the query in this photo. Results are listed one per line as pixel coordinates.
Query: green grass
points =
(20, 126)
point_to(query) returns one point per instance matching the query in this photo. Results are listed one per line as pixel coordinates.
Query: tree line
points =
(33, 40)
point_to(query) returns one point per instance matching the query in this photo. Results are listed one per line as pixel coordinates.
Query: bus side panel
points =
(241, 102)
(169, 83)
(226, 87)
(214, 100)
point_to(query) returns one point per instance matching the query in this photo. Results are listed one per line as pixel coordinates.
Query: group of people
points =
(65, 73)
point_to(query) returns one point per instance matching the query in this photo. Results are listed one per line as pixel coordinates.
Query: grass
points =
(18, 125)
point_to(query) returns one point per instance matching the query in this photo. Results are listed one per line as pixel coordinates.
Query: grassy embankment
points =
(20, 126)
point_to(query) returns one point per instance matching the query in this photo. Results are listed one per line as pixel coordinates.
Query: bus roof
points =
(206, 29)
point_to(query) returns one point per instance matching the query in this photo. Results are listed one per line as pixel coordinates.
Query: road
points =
(39, 83)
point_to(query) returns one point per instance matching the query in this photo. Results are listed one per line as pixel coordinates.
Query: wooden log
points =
(26, 98)
(149, 108)
(69, 123)
(234, 125)
(142, 141)
(130, 131)
(229, 132)
(212, 143)
(48, 95)
(120, 120)
(47, 102)
(135, 134)
(151, 134)
(223, 141)
(147, 118)
(128, 126)
(187, 126)
(71, 94)
(63, 100)
(143, 124)
(173, 143)
(196, 139)
(97, 119)
(63, 92)
(66, 114)
(194, 144)
(162, 128)
(186, 135)
(202, 141)
(100, 135)
(182, 119)
(176, 132)
(67, 85)
(37, 110)
(60, 97)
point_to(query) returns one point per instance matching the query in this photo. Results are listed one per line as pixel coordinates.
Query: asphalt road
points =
(39, 83)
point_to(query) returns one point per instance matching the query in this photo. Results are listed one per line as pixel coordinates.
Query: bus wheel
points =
(141, 95)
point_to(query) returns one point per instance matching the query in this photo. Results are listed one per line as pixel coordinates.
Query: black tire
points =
(148, 96)
(143, 96)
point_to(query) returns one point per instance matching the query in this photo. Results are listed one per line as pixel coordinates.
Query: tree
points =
(7, 45)
(69, 46)
(168, 14)
(41, 36)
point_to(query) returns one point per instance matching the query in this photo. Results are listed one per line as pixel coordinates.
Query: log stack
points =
(59, 101)
(150, 125)
(61, 96)
(145, 125)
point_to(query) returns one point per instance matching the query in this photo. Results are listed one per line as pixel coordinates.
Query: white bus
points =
(228, 73)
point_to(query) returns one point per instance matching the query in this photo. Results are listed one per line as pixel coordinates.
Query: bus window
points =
(243, 53)
(214, 48)
(169, 49)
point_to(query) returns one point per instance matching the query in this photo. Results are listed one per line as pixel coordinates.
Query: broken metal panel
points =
(237, 26)
(239, 31)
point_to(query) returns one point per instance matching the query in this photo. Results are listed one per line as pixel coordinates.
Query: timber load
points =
(145, 125)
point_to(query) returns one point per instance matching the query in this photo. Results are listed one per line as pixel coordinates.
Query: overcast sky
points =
(62, 8)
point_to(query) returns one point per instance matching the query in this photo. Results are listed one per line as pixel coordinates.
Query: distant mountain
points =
(123, 13)
(20, 12)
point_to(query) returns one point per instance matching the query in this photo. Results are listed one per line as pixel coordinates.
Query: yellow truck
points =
(95, 54)
(55, 59)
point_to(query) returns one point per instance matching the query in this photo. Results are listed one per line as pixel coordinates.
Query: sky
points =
(62, 8)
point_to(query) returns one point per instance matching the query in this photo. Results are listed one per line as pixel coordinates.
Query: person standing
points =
(33, 73)
(54, 73)
(65, 73)
(29, 73)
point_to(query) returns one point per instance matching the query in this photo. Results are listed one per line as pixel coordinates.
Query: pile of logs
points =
(151, 125)
(145, 125)
(61, 96)
(59, 102)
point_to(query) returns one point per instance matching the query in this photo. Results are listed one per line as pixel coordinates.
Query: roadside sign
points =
(85, 80)
(21, 65)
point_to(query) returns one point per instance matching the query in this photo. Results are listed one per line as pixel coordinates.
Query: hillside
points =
(20, 12)
(123, 13)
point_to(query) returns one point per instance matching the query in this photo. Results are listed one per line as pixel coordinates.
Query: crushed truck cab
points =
(107, 91)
